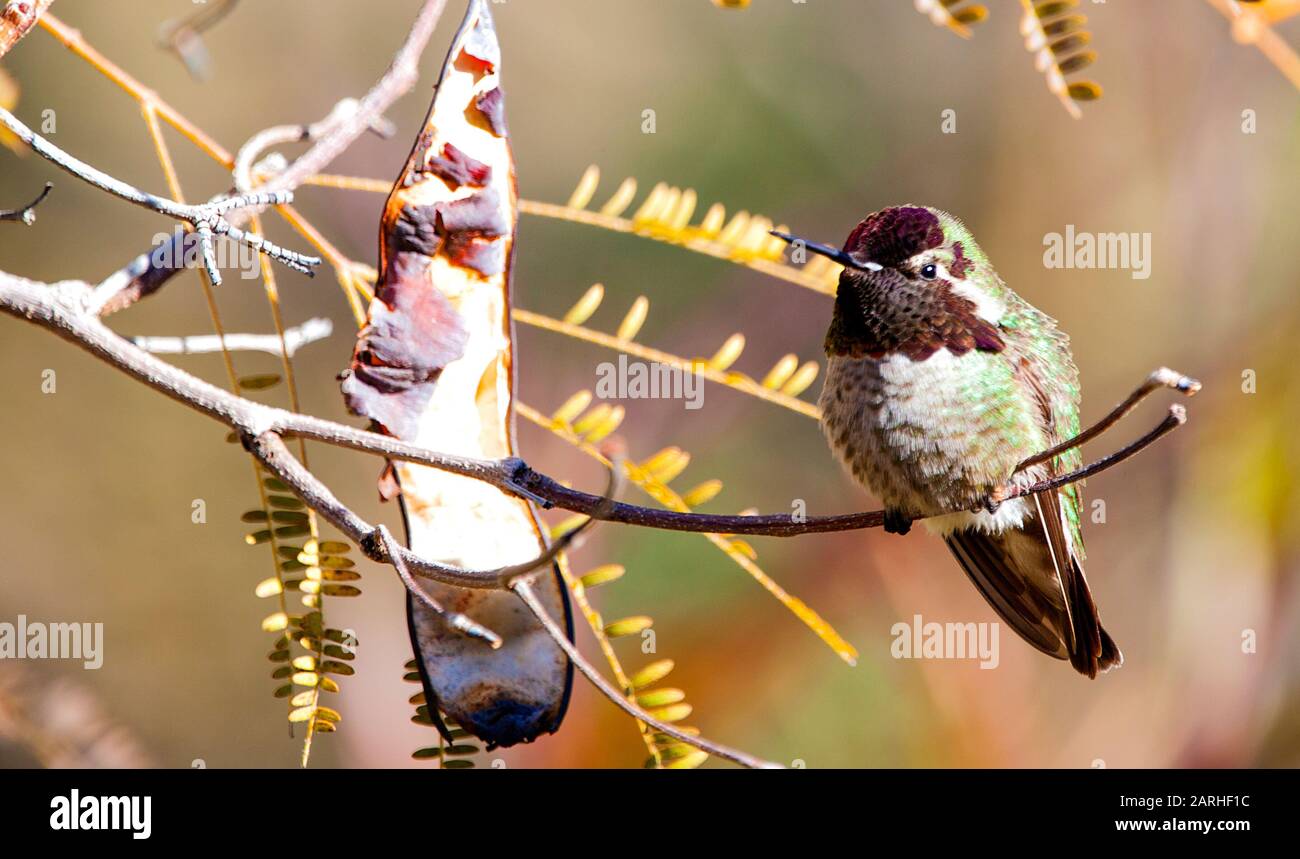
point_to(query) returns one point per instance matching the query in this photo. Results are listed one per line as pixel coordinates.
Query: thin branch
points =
(1176, 417)
(381, 544)
(27, 214)
(311, 331)
(268, 448)
(784, 524)
(341, 116)
(62, 308)
(146, 97)
(697, 238)
(208, 219)
(1162, 377)
(700, 244)
(524, 590)
(729, 378)
(458, 621)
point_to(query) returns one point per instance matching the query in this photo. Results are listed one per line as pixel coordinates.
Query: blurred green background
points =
(814, 114)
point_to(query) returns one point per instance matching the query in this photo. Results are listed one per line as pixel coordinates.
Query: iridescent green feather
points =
(1033, 334)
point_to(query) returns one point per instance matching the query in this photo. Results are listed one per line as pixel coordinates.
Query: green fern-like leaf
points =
(456, 755)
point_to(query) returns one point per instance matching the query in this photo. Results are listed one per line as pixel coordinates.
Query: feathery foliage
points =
(305, 648)
(665, 215)
(664, 703)
(953, 14)
(1054, 34)
(781, 385)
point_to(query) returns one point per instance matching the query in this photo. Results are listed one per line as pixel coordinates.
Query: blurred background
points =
(815, 115)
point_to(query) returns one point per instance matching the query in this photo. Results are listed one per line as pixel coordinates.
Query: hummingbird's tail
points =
(1092, 649)
(1035, 583)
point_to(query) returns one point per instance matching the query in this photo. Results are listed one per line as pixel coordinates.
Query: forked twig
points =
(1177, 417)
(521, 584)
(207, 219)
(270, 450)
(339, 117)
(784, 525)
(142, 276)
(1162, 377)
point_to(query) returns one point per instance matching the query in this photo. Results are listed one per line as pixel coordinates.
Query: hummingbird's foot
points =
(897, 522)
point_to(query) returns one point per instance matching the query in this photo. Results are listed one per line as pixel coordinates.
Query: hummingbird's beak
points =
(829, 252)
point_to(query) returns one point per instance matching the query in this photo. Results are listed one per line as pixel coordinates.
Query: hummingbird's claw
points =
(994, 499)
(897, 522)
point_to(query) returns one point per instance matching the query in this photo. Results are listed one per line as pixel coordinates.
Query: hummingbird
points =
(940, 381)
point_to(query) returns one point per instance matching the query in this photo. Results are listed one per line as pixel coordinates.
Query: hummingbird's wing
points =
(1032, 575)
(1045, 600)
(1007, 569)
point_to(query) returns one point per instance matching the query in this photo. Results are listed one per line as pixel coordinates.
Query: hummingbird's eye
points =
(930, 271)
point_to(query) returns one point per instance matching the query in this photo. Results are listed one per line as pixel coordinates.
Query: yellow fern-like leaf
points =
(1057, 40)
(952, 14)
(664, 751)
(666, 214)
(781, 388)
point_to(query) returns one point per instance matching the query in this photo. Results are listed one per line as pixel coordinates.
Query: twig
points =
(27, 214)
(783, 524)
(523, 589)
(616, 455)
(147, 98)
(456, 620)
(142, 276)
(340, 116)
(295, 338)
(1177, 417)
(380, 545)
(62, 308)
(208, 219)
(270, 450)
(1162, 377)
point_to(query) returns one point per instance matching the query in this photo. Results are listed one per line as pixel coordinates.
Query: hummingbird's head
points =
(914, 282)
